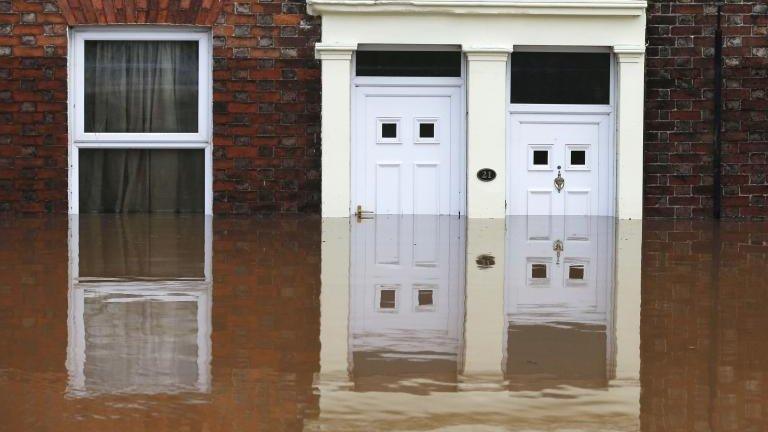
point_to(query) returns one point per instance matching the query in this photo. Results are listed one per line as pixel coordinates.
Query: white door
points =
(407, 150)
(560, 164)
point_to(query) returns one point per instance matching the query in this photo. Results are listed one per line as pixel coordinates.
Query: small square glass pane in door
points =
(389, 130)
(578, 157)
(541, 157)
(426, 130)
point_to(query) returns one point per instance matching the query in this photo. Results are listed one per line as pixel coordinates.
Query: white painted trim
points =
(480, 7)
(78, 138)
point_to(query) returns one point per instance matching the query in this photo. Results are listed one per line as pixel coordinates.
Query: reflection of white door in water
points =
(559, 268)
(407, 297)
(406, 150)
(558, 302)
(572, 148)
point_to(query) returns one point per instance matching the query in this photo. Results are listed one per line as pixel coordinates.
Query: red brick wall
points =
(265, 111)
(679, 109)
(33, 107)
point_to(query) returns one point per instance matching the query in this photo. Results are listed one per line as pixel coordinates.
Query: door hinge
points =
(363, 214)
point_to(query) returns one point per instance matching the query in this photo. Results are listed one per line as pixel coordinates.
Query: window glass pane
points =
(541, 157)
(389, 130)
(409, 63)
(140, 180)
(560, 78)
(426, 130)
(578, 157)
(141, 86)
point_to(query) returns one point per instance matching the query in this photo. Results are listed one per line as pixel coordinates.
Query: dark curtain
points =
(141, 86)
(140, 180)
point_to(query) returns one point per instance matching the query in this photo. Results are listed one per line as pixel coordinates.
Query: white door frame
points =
(576, 110)
(362, 85)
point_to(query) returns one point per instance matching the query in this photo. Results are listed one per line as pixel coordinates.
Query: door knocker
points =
(557, 246)
(559, 180)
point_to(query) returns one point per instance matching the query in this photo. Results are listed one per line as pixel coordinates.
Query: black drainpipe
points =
(717, 187)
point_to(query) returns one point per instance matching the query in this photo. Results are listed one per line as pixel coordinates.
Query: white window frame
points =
(79, 139)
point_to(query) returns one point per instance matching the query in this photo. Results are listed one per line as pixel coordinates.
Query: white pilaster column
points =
(335, 128)
(629, 120)
(629, 240)
(484, 326)
(334, 297)
(486, 130)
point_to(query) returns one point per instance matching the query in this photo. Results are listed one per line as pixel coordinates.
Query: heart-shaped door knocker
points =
(559, 181)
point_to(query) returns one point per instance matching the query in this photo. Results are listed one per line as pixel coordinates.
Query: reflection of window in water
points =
(140, 292)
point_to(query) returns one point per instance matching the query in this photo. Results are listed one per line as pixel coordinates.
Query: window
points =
(578, 157)
(388, 130)
(540, 157)
(560, 78)
(426, 130)
(408, 63)
(141, 110)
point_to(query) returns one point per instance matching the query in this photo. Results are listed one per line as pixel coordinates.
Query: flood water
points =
(166, 323)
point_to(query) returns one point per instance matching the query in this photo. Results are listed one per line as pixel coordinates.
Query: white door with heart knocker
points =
(560, 164)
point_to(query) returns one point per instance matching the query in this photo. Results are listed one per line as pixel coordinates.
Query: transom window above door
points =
(560, 78)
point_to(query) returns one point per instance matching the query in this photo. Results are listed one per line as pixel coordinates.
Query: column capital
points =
(487, 53)
(629, 53)
(325, 51)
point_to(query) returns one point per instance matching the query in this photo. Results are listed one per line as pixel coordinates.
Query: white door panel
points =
(574, 147)
(407, 150)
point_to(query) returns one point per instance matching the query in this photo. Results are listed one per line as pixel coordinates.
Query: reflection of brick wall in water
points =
(265, 335)
(266, 320)
(33, 293)
(704, 351)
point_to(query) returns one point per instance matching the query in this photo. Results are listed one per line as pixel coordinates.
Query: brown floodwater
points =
(192, 323)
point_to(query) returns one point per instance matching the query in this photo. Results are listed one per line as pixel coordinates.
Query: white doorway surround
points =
(407, 146)
(488, 33)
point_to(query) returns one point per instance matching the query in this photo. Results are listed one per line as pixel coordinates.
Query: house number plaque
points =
(486, 174)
